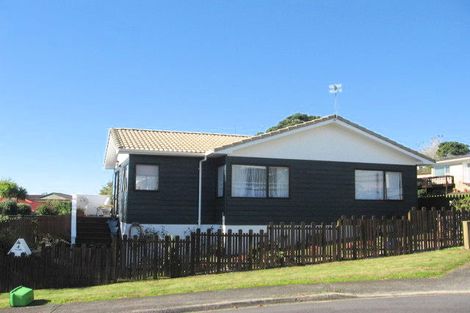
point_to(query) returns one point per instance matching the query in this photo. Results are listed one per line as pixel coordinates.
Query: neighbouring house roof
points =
(50, 196)
(454, 158)
(142, 141)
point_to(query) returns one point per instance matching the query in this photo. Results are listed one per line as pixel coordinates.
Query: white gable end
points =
(330, 142)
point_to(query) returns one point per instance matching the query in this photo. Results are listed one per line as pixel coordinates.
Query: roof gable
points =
(326, 139)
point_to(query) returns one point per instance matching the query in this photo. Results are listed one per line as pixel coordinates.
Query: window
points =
(248, 181)
(146, 177)
(260, 181)
(394, 187)
(220, 181)
(369, 185)
(279, 182)
(378, 185)
(466, 174)
(441, 170)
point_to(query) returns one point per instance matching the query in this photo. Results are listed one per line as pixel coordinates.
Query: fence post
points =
(250, 249)
(193, 252)
(219, 250)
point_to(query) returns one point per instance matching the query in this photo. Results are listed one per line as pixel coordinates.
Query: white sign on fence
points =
(19, 248)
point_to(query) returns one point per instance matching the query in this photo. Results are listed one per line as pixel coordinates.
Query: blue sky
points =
(69, 70)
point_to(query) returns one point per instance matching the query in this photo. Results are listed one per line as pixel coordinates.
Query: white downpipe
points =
(199, 200)
(73, 221)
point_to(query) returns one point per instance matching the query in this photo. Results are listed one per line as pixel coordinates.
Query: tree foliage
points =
(292, 120)
(450, 148)
(430, 148)
(55, 207)
(10, 190)
(107, 189)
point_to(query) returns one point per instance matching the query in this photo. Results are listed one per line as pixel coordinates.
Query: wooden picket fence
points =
(33, 229)
(218, 252)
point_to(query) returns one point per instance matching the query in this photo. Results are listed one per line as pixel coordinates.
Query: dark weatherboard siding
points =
(320, 191)
(175, 202)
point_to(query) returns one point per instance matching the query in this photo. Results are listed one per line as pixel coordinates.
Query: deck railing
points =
(445, 181)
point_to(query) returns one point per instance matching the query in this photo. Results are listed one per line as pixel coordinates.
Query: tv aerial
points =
(335, 89)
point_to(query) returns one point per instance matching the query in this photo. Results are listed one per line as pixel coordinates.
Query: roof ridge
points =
(179, 132)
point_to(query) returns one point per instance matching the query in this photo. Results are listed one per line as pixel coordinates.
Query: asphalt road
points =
(411, 304)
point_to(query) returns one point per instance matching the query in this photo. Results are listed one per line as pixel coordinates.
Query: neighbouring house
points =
(33, 204)
(173, 182)
(456, 166)
(36, 200)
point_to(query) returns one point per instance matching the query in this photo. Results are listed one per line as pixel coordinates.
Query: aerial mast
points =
(335, 89)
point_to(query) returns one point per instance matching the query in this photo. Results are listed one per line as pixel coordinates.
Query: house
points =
(36, 200)
(456, 166)
(50, 196)
(172, 182)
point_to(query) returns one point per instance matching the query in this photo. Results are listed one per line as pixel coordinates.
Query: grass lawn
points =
(420, 265)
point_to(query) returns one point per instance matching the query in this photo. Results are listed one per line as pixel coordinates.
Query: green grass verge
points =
(420, 265)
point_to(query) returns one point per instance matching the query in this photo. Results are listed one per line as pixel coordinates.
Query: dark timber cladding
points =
(176, 200)
(319, 191)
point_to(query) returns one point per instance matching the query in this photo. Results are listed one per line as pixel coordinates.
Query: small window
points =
(220, 181)
(146, 177)
(369, 185)
(394, 189)
(248, 181)
(441, 170)
(279, 182)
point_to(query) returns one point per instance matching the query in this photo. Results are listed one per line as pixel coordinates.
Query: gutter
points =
(199, 200)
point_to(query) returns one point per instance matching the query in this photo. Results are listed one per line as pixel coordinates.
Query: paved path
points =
(456, 282)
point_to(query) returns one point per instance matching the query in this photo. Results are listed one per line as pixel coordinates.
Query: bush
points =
(8, 207)
(462, 204)
(45, 209)
(24, 209)
(55, 207)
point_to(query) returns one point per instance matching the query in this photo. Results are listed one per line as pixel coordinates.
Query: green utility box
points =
(21, 296)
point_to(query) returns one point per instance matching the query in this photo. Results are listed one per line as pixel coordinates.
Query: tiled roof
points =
(169, 141)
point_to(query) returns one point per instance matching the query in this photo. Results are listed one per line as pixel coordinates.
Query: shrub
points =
(55, 207)
(24, 209)
(461, 204)
(8, 207)
(45, 209)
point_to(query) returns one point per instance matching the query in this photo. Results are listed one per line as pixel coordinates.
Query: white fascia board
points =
(422, 160)
(164, 153)
(270, 138)
(110, 156)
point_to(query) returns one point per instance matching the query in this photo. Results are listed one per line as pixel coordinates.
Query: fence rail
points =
(217, 252)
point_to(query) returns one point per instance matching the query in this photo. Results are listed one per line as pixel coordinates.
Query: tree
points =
(292, 120)
(429, 149)
(450, 148)
(107, 190)
(10, 190)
